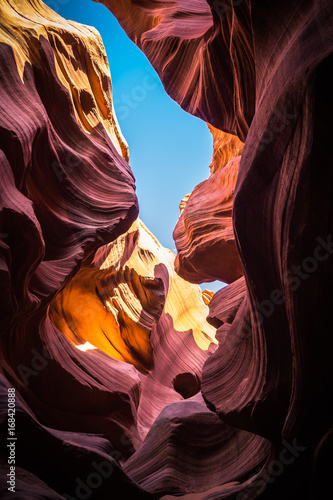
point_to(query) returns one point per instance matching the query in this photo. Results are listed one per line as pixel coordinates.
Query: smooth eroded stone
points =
(204, 236)
(198, 48)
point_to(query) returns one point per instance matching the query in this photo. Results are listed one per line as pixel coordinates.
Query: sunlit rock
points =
(114, 311)
(261, 423)
(204, 237)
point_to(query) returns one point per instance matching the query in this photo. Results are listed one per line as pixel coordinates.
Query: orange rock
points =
(114, 304)
(207, 296)
(139, 249)
(225, 147)
(204, 234)
(112, 310)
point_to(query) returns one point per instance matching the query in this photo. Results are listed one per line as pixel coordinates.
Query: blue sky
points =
(170, 150)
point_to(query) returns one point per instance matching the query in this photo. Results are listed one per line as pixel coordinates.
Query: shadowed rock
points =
(262, 72)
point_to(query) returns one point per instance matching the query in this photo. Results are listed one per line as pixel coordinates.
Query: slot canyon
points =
(120, 378)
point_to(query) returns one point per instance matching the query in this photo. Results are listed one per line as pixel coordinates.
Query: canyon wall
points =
(113, 355)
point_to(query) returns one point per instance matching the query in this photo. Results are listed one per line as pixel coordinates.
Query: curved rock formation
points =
(214, 52)
(285, 253)
(66, 189)
(65, 462)
(225, 303)
(225, 148)
(262, 424)
(204, 237)
(181, 339)
(275, 354)
(112, 310)
(189, 449)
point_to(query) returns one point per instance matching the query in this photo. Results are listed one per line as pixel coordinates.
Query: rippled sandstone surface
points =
(154, 396)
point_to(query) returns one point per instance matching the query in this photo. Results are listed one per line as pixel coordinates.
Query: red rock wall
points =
(266, 66)
(204, 236)
(179, 34)
(262, 424)
(66, 189)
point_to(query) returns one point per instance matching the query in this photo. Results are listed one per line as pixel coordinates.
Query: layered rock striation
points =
(144, 390)
(177, 34)
(204, 236)
(74, 328)
(267, 70)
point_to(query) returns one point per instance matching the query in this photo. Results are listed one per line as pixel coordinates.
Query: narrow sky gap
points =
(170, 150)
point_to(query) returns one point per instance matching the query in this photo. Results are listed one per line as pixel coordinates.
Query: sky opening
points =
(170, 150)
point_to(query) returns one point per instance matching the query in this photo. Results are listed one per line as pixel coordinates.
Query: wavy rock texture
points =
(66, 189)
(225, 303)
(215, 53)
(261, 70)
(114, 311)
(204, 236)
(181, 340)
(279, 331)
(169, 33)
(157, 322)
(196, 451)
(225, 148)
(59, 458)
